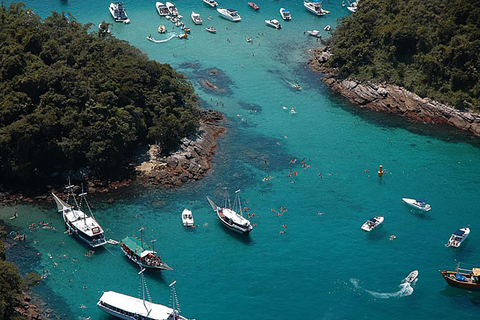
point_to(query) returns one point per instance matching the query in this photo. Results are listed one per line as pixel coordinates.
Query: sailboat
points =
(78, 222)
(232, 218)
(141, 253)
(127, 307)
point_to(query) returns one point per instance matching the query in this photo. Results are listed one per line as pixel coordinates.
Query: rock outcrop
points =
(191, 161)
(393, 99)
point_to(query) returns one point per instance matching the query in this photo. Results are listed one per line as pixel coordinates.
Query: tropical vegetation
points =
(429, 47)
(73, 96)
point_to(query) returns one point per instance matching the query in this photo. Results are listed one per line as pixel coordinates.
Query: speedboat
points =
(314, 33)
(196, 18)
(172, 9)
(118, 12)
(273, 23)
(211, 3)
(285, 14)
(229, 14)
(411, 276)
(372, 223)
(463, 278)
(315, 8)
(353, 6)
(417, 203)
(458, 237)
(232, 218)
(211, 29)
(253, 5)
(161, 9)
(187, 218)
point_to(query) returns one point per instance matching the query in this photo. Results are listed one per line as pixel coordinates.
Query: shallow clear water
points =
(324, 266)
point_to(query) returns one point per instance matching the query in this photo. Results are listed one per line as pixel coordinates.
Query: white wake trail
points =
(405, 290)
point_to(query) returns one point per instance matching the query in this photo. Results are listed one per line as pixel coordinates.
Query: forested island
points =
(428, 47)
(73, 96)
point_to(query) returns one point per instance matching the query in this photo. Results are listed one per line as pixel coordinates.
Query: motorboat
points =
(285, 14)
(315, 8)
(141, 253)
(273, 23)
(128, 307)
(196, 18)
(458, 237)
(187, 218)
(327, 28)
(161, 29)
(78, 223)
(253, 5)
(118, 12)
(417, 204)
(468, 279)
(211, 29)
(231, 217)
(211, 3)
(162, 9)
(372, 223)
(353, 7)
(411, 276)
(314, 33)
(172, 9)
(229, 14)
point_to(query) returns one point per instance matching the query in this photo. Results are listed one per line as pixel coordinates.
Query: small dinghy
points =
(411, 277)
(417, 204)
(187, 218)
(372, 223)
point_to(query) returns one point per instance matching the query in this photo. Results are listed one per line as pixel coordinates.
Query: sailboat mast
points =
(237, 201)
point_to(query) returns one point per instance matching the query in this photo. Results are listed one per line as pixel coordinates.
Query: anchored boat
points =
(418, 204)
(458, 237)
(232, 218)
(118, 12)
(463, 278)
(187, 218)
(372, 223)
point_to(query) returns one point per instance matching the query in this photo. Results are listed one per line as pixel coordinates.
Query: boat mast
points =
(143, 290)
(175, 304)
(153, 245)
(141, 235)
(237, 202)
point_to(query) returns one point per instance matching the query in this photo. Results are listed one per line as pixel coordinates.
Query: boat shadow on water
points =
(421, 215)
(451, 292)
(244, 238)
(377, 234)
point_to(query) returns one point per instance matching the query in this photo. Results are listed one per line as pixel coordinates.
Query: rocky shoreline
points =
(190, 162)
(393, 99)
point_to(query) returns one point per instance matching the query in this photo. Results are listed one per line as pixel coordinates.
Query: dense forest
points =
(429, 47)
(74, 96)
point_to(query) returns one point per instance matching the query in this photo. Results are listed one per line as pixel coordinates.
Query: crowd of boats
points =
(170, 12)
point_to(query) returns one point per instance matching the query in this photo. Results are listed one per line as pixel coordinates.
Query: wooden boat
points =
(253, 5)
(468, 279)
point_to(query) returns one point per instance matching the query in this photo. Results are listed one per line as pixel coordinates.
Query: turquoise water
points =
(324, 266)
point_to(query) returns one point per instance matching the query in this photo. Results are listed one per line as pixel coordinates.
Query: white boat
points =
(79, 223)
(458, 237)
(229, 14)
(353, 6)
(211, 29)
(372, 223)
(196, 18)
(285, 14)
(118, 12)
(411, 276)
(327, 28)
(172, 9)
(187, 218)
(161, 29)
(211, 3)
(315, 8)
(314, 33)
(127, 307)
(417, 203)
(273, 23)
(162, 9)
(232, 218)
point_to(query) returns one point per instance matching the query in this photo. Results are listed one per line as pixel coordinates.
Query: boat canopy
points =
(459, 232)
(372, 220)
(476, 272)
(134, 244)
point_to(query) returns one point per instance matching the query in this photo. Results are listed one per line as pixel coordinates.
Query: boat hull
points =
(450, 278)
(233, 227)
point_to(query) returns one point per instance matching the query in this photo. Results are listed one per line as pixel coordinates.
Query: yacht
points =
(232, 218)
(118, 12)
(161, 9)
(273, 23)
(78, 222)
(372, 223)
(127, 307)
(315, 8)
(458, 237)
(196, 18)
(417, 203)
(229, 14)
(253, 5)
(187, 218)
(314, 33)
(285, 14)
(211, 3)
(172, 9)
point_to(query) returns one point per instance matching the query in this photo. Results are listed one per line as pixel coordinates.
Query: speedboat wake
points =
(172, 35)
(405, 290)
